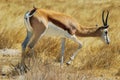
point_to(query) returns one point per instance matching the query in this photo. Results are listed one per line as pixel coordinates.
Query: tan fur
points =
(38, 29)
(69, 23)
(41, 21)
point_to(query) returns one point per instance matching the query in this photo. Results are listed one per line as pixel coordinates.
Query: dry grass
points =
(94, 54)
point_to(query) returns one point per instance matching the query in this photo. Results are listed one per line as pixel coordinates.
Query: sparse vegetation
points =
(95, 59)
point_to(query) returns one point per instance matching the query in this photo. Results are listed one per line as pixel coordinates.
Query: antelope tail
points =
(27, 16)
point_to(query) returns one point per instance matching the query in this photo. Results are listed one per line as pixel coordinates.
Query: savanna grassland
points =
(95, 61)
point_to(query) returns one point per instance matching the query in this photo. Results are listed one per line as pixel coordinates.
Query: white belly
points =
(55, 31)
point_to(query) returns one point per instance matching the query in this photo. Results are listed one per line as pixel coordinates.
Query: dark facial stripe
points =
(106, 32)
(59, 24)
(107, 40)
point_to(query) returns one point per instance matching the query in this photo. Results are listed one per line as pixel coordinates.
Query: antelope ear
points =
(106, 26)
(103, 27)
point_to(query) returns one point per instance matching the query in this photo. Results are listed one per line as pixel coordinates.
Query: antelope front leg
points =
(75, 39)
(62, 50)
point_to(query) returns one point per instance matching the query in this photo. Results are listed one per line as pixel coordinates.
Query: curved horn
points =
(107, 17)
(103, 18)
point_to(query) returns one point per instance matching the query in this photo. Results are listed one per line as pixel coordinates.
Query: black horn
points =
(105, 22)
(103, 18)
(107, 17)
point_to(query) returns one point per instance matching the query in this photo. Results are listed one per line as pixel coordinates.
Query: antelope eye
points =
(106, 32)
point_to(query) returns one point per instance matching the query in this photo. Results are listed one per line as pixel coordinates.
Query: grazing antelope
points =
(40, 22)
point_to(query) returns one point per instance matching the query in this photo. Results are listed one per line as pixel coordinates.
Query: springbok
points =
(40, 22)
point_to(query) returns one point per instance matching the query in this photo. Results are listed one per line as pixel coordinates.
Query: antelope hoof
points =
(68, 63)
(23, 68)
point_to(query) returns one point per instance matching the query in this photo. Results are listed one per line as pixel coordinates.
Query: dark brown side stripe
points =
(59, 24)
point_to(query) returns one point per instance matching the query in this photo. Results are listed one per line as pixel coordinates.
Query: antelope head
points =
(104, 28)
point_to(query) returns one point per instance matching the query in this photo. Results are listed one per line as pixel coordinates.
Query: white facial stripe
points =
(105, 36)
(105, 30)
